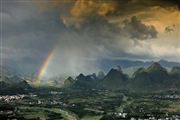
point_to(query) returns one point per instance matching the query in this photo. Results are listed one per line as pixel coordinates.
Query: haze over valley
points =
(90, 60)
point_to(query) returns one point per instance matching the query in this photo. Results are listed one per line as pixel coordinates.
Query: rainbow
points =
(43, 67)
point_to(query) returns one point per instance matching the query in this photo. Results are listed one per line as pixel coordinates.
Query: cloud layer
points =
(86, 32)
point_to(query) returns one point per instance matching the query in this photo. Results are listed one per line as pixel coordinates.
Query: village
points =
(113, 104)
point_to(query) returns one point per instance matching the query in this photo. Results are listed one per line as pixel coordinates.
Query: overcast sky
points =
(87, 31)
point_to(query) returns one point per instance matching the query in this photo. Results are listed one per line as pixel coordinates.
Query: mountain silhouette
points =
(68, 82)
(115, 79)
(86, 82)
(153, 78)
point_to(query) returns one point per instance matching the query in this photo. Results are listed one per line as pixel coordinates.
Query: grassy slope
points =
(38, 112)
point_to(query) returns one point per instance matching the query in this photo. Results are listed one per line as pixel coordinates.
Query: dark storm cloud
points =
(84, 31)
(100, 27)
(137, 30)
(169, 29)
(170, 3)
(96, 26)
(28, 34)
(130, 6)
(96, 17)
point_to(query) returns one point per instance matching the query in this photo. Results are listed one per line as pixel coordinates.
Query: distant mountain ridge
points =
(107, 64)
(8, 71)
(11, 82)
(115, 78)
(153, 78)
(150, 78)
(14, 88)
(68, 82)
(83, 82)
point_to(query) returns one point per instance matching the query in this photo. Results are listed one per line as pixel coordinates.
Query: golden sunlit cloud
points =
(152, 18)
(84, 8)
(156, 13)
(161, 18)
